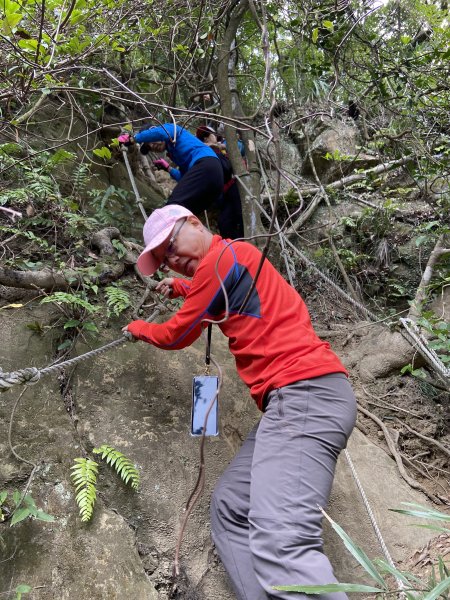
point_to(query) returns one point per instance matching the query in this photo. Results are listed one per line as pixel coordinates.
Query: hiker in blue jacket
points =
(199, 174)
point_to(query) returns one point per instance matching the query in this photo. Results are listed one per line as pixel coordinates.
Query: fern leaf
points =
(117, 300)
(123, 465)
(73, 300)
(80, 178)
(84, 477)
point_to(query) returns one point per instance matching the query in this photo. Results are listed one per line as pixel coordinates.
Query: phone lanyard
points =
(208, 349)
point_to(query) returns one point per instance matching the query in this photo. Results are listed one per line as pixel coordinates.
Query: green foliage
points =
(378, 248)
(41, 186)
(72, 300)
(103, 152)
(123, 465)
(423, 512)
(396, 290)
(379, 221)
(420, 373)
(358, 553)
(348, 222)
(350, 259)
(112, 206)
(121, 250)
(3, 496)
(437, 585)
(439, 331)
(117, 300)
(60, 157)
(10, 149)
(78, 310)
(84, 476)
(79, 225)
(329, 588)
(29, 235)
(336, 155)
(23, 508)
(291, 197)
(80, 178)
(28, 510)
(21, 589)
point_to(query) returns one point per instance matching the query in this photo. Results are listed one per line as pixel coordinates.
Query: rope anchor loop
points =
(28, 376)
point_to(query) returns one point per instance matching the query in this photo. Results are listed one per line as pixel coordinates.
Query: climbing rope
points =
(368, 508)
(32, 375)
(422, 345)
(133, 182)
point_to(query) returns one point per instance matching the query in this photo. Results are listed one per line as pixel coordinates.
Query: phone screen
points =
(204, 389)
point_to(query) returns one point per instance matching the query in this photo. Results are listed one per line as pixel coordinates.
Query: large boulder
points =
(333, 148)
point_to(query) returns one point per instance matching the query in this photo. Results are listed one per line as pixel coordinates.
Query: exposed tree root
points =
(398, 459)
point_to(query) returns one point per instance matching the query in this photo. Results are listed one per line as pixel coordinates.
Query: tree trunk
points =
(249, 177)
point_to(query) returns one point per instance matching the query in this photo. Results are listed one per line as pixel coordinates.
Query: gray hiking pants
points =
(265, 520)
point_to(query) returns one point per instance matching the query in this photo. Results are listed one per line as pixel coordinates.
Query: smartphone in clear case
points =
(204, 391)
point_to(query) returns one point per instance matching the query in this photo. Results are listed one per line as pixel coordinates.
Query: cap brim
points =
(147, 263)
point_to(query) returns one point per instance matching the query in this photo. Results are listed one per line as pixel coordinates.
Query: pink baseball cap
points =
(157, 229)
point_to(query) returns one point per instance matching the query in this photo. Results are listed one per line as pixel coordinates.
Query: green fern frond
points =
(121, 464)
(17, 196)
(80, 178)
(117, 300)
(73, 300)
(84, 477)
(41, 186)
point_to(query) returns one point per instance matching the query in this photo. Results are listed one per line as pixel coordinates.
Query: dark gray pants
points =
(265, 520)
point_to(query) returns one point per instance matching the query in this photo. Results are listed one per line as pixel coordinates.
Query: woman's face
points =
(189, 247)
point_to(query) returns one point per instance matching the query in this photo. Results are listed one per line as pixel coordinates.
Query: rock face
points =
(64, 559)
(380, 354)
(105, 172)
(137, 399)
(333, 148)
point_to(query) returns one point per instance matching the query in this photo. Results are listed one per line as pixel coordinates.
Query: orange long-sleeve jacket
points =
(273, 341)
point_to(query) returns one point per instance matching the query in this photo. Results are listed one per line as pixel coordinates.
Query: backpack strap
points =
(228, 184)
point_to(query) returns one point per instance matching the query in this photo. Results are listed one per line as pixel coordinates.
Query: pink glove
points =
(126, 139)
(161, 164)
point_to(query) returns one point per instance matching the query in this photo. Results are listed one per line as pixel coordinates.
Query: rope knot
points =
(29, 376)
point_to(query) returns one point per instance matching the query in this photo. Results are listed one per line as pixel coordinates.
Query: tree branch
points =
(421, 294)
(336, 185)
